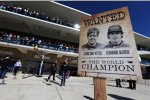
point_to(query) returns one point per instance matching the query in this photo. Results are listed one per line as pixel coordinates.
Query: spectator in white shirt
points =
(17, 65)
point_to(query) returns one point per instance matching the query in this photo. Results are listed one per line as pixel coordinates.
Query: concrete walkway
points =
(77, 88)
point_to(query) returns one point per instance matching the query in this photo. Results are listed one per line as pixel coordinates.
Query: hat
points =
(115, 28)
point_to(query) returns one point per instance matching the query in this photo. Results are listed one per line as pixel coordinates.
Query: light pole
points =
(41, 55)
(41, 64)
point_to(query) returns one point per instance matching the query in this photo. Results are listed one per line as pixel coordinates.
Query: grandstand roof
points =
(53, 9)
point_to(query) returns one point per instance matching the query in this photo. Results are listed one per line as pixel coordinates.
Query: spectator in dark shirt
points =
(53, 71)
(4, 66)
(64, 69)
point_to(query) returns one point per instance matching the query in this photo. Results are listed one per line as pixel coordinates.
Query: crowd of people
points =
(5, 64)
(63, 70)
(41, 42)
(32, 13)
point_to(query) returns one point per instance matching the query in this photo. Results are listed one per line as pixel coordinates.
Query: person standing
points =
(4, 66)
(132, 84)
(53, 71)
(17, 65)
(118, 82)
(64, 69)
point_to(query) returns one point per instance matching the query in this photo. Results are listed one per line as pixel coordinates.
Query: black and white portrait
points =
(115, 35)
(92, 37)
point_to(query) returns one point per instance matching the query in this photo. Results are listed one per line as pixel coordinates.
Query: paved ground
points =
(77, 88)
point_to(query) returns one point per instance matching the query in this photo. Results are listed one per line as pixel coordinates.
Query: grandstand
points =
(29, 28)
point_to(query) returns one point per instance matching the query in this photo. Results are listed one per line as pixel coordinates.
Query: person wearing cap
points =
(92, 43)
(115, 35)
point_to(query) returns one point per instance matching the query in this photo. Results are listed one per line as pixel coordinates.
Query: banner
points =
(107, 46)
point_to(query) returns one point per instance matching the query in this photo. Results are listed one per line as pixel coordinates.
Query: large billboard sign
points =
(107, 46)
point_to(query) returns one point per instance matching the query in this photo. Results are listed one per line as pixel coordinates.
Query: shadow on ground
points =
(2, 83)
(51, 81)
(87, 97)
(117, 97)
(55, 82)
(115, 86)
(27, 76)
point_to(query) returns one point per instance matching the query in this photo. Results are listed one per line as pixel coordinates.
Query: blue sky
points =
(139, 11)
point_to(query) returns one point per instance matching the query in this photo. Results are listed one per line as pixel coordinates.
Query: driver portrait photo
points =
(92, 37)
(115, 35)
